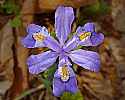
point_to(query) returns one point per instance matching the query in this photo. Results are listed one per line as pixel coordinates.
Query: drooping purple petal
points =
(39, 63)
(64, 17)
(97, 38)
(64, 61)
(71, 44)
(57, 75)
(93, 39)
(86, 42)
(60, 86)
(71, 85)
(29, 41)
(87, 59)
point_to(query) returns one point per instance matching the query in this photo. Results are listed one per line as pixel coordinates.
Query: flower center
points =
(38, 37)
(64, 72)
(84, 35)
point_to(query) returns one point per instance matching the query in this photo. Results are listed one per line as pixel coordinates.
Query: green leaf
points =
(48, 76)
(75, 67)
(50, 72)
(16, 22)
(100, 7)
(71, 35)
(87, 13)
(46, 82)
(69, 96)
(10, 7)
(53, 34)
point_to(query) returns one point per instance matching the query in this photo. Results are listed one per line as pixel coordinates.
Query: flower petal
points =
(64, 17)
(33, 28)
(88, 27)
(29, 41)
(71, 85)
(39, 63)
(58, 87)
(57, 73)
(89, 36)
(79, 30)
(51, 43)
(64, 60)
(97, 39)
(94, 40)
(71, 44)
(87, 59)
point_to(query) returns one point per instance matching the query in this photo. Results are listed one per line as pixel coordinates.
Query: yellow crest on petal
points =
(84, 35)
(64, 72)
(38, 37)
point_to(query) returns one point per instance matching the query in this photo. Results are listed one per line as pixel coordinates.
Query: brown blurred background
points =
(15, 81)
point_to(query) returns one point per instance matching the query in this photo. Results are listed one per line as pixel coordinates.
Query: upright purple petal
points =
(32, 30)
(87, 59)
(88, 27)
(71, 44)
(64, 60)
(89, 36)
(79, 30)
(64, 17)
(51, 43)
(39, 63)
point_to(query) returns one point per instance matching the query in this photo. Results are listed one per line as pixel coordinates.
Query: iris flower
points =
(64, 49)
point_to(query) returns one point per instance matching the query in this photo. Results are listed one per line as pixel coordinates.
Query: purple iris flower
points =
(63, 49)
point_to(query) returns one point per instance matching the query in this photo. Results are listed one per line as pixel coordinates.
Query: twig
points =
(29, 92)
(41, 96)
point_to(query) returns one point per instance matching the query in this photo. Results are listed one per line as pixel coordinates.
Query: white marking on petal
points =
(64, 73)
(38, 37)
